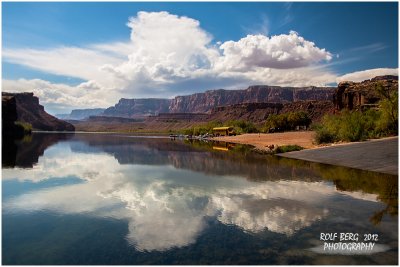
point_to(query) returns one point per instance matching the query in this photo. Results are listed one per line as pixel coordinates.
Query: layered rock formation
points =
(205, 102)
(138, 108)
(315, 109)
(107, 119)
(81, 114)
(356, 95)
(253, 112)
(28, 109)
(171, 117)
(259, 112)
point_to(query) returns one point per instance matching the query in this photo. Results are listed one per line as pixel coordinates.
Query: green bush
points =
(24, 126)
(352, 127)
(324, 136)
(202, 129)
(355, 126)
(242, 126)
(389, 113)
(286, 121)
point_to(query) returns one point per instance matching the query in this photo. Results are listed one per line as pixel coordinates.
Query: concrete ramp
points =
(379, 155)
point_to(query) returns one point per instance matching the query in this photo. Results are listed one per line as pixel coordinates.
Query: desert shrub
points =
(346, 126)
(297, 119)
(242, 126)
(275, 123)
(389, 118)
(202, 129)
(323, 135)
(24, 126)
(286, 121)
(354, 126)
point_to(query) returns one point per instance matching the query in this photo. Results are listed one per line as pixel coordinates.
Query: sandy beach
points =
(261, 141)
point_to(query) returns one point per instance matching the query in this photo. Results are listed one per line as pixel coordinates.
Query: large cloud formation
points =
(169, 55)
(278, 52)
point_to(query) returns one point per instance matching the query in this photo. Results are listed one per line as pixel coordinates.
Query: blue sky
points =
(80, 54)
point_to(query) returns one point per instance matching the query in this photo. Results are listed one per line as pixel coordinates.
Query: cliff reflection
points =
(201, 157)
(25, 153)
(158, 186)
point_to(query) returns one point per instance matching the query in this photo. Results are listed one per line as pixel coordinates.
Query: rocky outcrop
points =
(253, 112)
(205, 102)
(315, 109)
(81, 114)
(9, 117)
(171, 117)
(29, 110)
(357, 95)
(138, 108)
(107, 119)
(259, 112)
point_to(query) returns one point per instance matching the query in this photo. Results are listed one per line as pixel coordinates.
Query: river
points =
(119, 199)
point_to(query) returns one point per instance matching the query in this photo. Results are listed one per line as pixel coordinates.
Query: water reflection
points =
(24, 153)
(168, 191)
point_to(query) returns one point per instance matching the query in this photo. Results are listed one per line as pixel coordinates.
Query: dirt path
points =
(304, 139)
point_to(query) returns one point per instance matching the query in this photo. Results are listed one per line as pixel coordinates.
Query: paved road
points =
(375, 155)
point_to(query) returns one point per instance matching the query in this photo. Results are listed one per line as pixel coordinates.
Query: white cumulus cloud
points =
(285, 51)
(360, 76)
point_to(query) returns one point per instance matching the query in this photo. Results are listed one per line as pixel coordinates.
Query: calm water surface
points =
(113, 199)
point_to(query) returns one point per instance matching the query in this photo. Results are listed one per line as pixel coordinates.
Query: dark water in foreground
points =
(108, 199)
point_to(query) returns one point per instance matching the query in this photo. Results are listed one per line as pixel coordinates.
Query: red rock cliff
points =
(29, 110)
(355, 95)
(205, 102)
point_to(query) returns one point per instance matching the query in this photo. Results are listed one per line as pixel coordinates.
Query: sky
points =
(91, 54)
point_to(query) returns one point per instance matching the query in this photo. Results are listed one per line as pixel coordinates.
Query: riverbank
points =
(262, 141)
(379, 155)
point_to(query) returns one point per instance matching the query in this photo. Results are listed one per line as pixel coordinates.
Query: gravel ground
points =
(261, 141)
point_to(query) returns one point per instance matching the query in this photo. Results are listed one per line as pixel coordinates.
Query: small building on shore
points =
(223, 131)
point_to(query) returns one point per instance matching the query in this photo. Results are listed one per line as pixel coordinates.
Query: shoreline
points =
(261, 141)
(377, 155)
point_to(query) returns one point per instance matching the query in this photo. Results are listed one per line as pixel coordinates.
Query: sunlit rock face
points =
(135, 108)
(355, 95)
(167, 207)
(205, 102)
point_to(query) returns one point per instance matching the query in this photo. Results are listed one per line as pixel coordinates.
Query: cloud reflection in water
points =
(167, 207)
